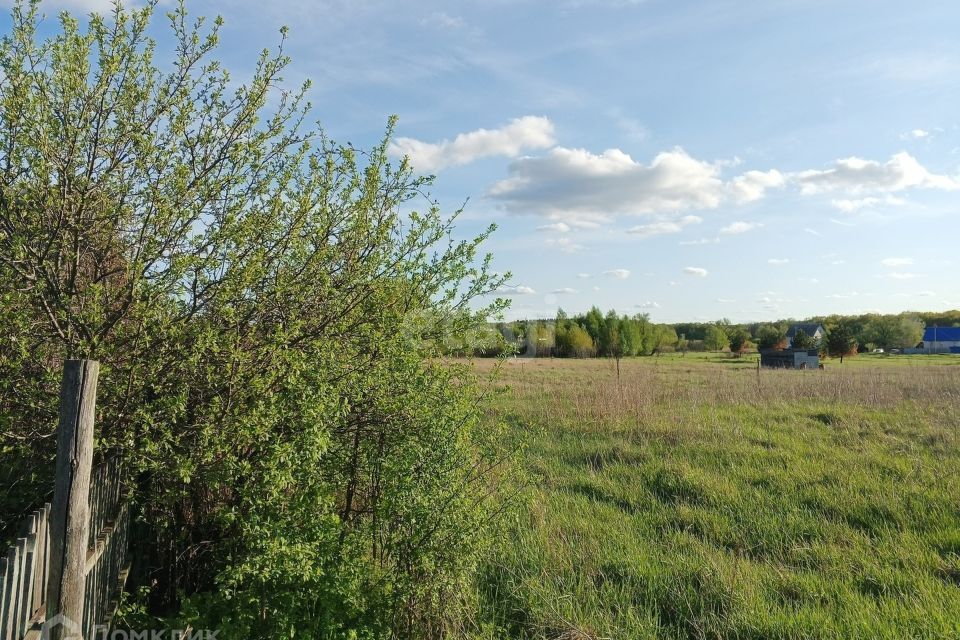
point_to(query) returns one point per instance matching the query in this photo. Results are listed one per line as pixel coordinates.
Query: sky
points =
(693, 160)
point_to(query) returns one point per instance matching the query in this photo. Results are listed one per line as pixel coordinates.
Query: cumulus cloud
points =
(856, 175)
(662, 227)
(778, 261)
(649, 304)
(740, 227)
(896, 262)
(619, 274)
(528, 132)
(753, 185)
(559, 227)
(582, 185)
(564, 290)
(700, 272)
(583, 275)
(520, 290)
(900, 275)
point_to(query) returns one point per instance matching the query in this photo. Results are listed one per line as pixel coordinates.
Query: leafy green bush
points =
(265, 316)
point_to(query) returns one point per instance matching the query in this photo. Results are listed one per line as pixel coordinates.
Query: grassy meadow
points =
(694, 497)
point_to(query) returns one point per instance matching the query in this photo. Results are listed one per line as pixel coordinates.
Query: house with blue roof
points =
(941, 340)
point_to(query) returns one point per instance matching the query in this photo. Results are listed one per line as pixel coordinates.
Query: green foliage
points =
(770, 337)
(841, 341)
(894, 332)
(801, 340)
(265, 312)
(739, 339)
(716, 338)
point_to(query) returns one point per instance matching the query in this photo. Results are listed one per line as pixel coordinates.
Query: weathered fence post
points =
(69, 516)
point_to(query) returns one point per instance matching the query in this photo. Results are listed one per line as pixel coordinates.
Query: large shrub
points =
(264, 315)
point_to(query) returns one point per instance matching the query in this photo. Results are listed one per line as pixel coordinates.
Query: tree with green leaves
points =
(265, 311)
(716, 338)
(841, 341)
(739, 339)
(894, 332)
(771, 337)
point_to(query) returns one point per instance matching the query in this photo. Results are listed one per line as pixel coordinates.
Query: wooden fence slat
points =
(41, 562)
(10, 602)
(26, 595)
(5, 590)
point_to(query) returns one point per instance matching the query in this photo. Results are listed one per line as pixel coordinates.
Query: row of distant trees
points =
(613, 335)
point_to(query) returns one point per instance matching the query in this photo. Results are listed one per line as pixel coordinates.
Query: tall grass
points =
(696, 499)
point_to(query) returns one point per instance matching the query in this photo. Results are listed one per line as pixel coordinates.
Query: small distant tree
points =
(770, 337)
(841, 341)
(716, 338)
(630, 336)
(738, 340)
(613, 338)
(580, 342)
(665, 337)
(683, 345)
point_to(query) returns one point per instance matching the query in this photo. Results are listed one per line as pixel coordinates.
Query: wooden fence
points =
(64, 575)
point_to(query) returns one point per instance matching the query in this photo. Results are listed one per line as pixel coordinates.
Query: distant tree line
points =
(595, 334)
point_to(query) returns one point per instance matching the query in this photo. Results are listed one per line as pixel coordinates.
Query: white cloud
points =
(583, 275)
(740, 227)
(520, 290)
(575, 183)
(852, 205)
(649, 304)
(778, 261)
(564, 290)
(662, 227)
(528, 132)
(896, 262)
(812, 232)
(915, 134)
(564, 244)
(725, 300)
(856, 175)
(753, 185)
(559, 227)
(926, 294)
(899, 275)
(695, 271)
(619, 274)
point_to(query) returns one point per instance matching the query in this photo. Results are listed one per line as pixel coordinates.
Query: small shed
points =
(790, 358)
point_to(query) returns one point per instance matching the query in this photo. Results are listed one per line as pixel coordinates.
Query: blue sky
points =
(693, 160)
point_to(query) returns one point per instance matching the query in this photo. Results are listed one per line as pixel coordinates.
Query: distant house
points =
(790, 358)
(941, 340)
(812, 329)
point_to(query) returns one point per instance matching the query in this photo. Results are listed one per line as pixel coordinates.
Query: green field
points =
(697, 498)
